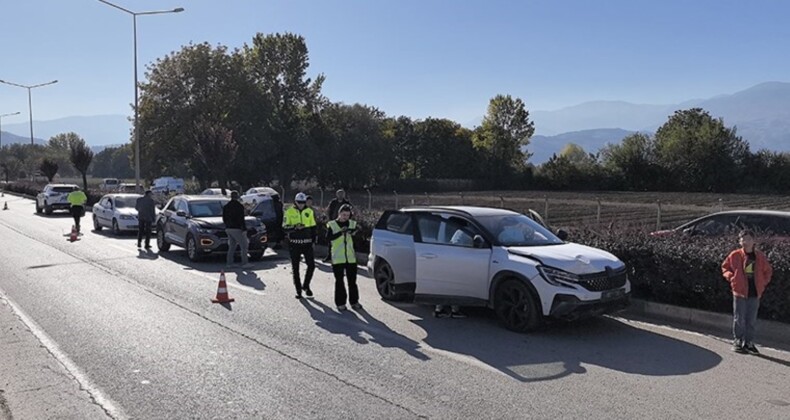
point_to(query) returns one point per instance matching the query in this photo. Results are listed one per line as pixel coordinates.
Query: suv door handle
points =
(428, 256)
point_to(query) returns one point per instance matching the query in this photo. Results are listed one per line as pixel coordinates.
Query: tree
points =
(11, 166)
(632, 163)
(444, 149)
(214, 154)
(49, 168)
(503, 137)
(700, 153)
(80, 155)
(113, 162)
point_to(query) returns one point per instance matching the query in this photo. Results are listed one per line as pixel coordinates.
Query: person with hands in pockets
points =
(340, 234)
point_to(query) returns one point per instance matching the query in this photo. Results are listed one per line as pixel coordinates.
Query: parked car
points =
(109, 184)
(195, 222)
(214, 191)
(117, 212)
(265, 212)
(127, 188)
(480, 256)
(254, 195)
(167, 185)
(765, 222)
(54, 197)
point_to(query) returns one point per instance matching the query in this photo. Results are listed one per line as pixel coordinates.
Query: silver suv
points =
(195, 223)
(479, 256)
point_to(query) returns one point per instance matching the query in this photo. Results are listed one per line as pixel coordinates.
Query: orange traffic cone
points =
(222, 291)
(73, 236)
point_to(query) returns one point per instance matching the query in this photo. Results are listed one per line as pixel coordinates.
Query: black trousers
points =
(297, 250)
(340, 286)
(76, 213)
(144, 229)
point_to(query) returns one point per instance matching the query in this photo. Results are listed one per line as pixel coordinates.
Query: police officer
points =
(77, 199)
(299, 224)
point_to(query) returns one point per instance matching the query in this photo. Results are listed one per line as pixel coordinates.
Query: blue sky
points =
(440, 58)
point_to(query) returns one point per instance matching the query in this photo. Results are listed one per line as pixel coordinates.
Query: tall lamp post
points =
(30, 99)
(136, 107)
(1, 126)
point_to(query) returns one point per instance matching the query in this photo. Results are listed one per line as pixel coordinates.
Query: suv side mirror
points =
(563, 235)
(478, 242)
(181, 213)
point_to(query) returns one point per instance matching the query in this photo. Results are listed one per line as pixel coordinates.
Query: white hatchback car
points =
(117, 212)
(479, 256)
(255, 195)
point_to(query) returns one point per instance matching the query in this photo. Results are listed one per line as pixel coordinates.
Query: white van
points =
(167, 185)
(109, 184)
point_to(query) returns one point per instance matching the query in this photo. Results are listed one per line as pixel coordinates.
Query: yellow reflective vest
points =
(77, 198)
(292, 218)
(343, 246)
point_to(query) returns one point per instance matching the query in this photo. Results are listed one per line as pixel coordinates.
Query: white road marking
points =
(98, 396)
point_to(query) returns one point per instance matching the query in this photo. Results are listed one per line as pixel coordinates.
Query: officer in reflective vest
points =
(77, 199)
(339, 234)
(299, 225)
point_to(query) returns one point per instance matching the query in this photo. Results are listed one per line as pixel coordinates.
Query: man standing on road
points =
(748, 271)
(299, 224)
(331, 214)
(146, 214)
(236, 228)
(339, 234)
(77, 199)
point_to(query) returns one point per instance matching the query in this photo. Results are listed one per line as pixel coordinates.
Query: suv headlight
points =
(207, 231)
(126, 217)
(558, 277)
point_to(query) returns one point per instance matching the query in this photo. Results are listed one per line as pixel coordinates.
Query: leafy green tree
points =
(113, 162)
(80, 155)
(699, 152)
(214, 153)
(505, 130)
(444, 149)
(277, 64)
(49, 168)
(11, 167)
(632, 163)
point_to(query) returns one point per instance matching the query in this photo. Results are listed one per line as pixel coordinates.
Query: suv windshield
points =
(212, 208)
(518, 230)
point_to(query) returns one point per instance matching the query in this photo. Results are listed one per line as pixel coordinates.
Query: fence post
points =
(282, 188)
(322, 196)
(721, 205)
(501, 202)
(598, 216)
(427, 199)
(546, 209)
(462, 197)
(370, 199)
(658, 215)
(396, 199)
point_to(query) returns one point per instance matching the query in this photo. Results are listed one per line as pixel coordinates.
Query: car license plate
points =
(613, 294)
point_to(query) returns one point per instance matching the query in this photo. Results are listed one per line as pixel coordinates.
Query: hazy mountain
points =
(543, 147)
(600, 114)
(97, 130)
(11, 138)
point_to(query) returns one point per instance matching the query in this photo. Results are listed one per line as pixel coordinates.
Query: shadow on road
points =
(216, 263)
(561, 349)
(250, 279)
(146, 254)
(774, 359)
(353, 324)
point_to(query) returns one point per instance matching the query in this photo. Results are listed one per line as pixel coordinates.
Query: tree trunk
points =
(85, 182)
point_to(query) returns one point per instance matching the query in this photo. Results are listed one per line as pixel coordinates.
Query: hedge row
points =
(686, 271)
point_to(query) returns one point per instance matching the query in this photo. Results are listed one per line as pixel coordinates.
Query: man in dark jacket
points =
(236, 228)
(146, 213)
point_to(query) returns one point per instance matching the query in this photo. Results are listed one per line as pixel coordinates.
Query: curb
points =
(697, 319)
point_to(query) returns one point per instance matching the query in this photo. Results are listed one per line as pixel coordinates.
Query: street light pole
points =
(136, 99)
(1, 126)
(30, 100)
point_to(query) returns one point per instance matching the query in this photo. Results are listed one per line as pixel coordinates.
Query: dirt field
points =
(574, 209)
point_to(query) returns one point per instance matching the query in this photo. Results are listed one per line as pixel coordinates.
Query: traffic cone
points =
(5, 206)
(73, 236)
(222, 291)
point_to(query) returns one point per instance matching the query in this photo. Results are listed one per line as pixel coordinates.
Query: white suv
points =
(479, 256)
(54, 197)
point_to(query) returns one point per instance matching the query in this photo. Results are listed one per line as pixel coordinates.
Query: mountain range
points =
(761, 114)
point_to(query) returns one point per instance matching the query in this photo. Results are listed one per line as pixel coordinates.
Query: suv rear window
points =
(62, 189)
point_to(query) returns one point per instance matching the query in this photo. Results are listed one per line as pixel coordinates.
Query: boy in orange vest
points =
(748, 271)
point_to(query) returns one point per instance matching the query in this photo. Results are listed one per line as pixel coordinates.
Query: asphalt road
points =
(96, 329)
